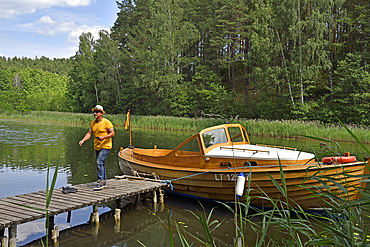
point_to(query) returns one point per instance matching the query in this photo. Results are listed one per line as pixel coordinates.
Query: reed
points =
(343, 223)
(254, 127)
(296, 128)
(49, 194)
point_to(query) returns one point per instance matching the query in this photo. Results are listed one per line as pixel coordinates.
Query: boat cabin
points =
(217, 136)
(223, 135)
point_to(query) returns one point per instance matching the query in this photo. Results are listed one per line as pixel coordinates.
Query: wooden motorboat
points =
(224, 151)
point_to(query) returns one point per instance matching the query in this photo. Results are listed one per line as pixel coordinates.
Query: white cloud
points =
(45, 25)
(73, 36)
(50, 28)
(46, 20)
(12, 8)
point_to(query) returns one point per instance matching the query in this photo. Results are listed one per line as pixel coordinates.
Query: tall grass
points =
(343, 222)
(267, 128)
(295, 128)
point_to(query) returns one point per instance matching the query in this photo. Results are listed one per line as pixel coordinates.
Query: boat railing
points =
(272, 146)
(246, 149)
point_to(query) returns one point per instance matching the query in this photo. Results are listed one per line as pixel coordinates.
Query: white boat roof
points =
(247, 151)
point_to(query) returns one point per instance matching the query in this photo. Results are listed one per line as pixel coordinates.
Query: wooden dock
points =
(23, 208)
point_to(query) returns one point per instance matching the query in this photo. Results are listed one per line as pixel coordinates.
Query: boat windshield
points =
(235, 134)
(215, 136)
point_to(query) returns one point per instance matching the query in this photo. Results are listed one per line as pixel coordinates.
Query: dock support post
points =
(161, 192)
(94, 219)
(155, 197)
(55, 235)
(12, 236)
(137, 198)
(96, 213)
(3, 239)
(69, 217)
(117, 215)
(117, 219)
(155, 201)
(51, 225)
(119, 203)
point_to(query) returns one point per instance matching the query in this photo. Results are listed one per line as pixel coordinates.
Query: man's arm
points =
(86, 137)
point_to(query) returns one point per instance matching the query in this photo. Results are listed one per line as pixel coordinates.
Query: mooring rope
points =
(169, 182)
(132, 169)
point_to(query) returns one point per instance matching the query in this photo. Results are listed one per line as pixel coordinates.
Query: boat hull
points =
(218, 183)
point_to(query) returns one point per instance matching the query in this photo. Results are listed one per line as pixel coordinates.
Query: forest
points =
(255, 59)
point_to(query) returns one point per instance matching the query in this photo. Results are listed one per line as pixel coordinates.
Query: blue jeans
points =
(100, 163)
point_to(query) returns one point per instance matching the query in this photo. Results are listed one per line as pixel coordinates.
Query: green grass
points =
(254, 127)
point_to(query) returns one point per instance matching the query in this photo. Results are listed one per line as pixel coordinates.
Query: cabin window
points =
(250, 163)
(193, 146)
(225, 164)
(245, 135)
(213, 137)
(235, 134)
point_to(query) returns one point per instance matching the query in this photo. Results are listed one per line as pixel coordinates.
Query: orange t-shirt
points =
(101, 129)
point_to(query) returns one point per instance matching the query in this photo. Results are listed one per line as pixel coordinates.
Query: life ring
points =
(339, 159)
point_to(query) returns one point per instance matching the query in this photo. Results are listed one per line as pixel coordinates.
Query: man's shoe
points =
(67, 190)
(99, 185)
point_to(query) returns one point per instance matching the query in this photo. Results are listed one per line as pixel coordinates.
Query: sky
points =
(50, 28)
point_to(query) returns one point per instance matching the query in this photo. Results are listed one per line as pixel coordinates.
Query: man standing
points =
(103, 132)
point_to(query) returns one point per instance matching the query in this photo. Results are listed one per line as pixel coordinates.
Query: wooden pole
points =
(55, 235)
(69, 217)
(129, 125)
(4, 241)
(51, 225)
(155, 201)
(119, 203)
(117, 215)
(96, 214)
(12, 236)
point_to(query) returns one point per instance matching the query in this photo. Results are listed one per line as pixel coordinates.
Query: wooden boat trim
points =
(245, 149)
(273, 146)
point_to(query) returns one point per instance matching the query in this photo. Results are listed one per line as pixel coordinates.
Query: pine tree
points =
(82, 87)
(106, 65)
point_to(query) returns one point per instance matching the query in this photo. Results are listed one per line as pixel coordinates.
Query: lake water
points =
(25, 148)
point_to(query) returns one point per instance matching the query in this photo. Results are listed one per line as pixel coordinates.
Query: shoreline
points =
(254, 127)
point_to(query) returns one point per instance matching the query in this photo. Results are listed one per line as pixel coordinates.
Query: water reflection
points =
(25, 148)
(140, 225)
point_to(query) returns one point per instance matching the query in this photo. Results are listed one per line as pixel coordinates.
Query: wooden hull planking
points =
(209, 180)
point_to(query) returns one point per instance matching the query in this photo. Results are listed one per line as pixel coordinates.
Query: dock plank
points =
(61, 198)
(16, 210)
(4, 204)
